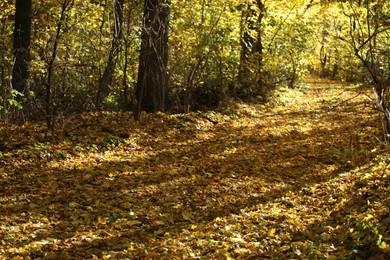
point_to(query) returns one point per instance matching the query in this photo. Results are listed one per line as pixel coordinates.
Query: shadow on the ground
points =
(180, 179)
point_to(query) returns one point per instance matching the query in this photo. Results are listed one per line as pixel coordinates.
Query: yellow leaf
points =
(284, 248)
(271, 232)
(174, 171)
(384, 246)
(99, 221)
(237, 240)
(369, 216)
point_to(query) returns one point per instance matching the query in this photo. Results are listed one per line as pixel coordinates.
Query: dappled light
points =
(302, 176)
(167, 129)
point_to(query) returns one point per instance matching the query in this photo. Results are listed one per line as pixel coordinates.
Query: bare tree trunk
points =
(251, 47)
(152, 81)
(116, 47)
(21, 48)
(49, 83)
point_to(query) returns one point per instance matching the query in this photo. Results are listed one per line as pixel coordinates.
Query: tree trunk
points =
(21, 48)
(50, 111)
(152, 80)
(116, 46)
(251, 60)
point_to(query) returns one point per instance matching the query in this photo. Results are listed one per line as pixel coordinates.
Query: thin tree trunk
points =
(125, 86)
(49, 83)
(116, 47)
(259, 49)
(21, 46)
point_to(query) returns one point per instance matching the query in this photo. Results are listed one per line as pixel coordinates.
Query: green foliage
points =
(82, 52)
(289, 43)
(114, 141)
(204, 51)
(357, 39)
(11, 101)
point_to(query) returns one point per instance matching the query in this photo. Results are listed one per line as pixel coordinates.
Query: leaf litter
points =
(303, 176)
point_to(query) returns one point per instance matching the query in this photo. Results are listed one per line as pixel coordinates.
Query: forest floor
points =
(302, 177)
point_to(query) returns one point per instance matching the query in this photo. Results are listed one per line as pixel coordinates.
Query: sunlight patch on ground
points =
(296, 178)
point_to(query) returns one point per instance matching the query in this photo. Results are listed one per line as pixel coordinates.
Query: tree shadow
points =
(189, 176)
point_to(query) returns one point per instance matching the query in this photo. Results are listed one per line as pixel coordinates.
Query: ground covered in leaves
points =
(304, 176)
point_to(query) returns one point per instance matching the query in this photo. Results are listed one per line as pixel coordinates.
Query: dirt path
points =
(282, 180)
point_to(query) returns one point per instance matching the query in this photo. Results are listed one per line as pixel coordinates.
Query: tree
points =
(368, 37)
(50, 111)
(116, 45)
(151, 89)
(251, 60)
(21, 46)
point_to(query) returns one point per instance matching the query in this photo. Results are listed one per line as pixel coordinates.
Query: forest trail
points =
(299, 177)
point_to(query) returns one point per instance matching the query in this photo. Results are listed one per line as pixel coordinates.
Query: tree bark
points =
(151, 89)
(21, 46)
(116, 47)
(251, 60)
